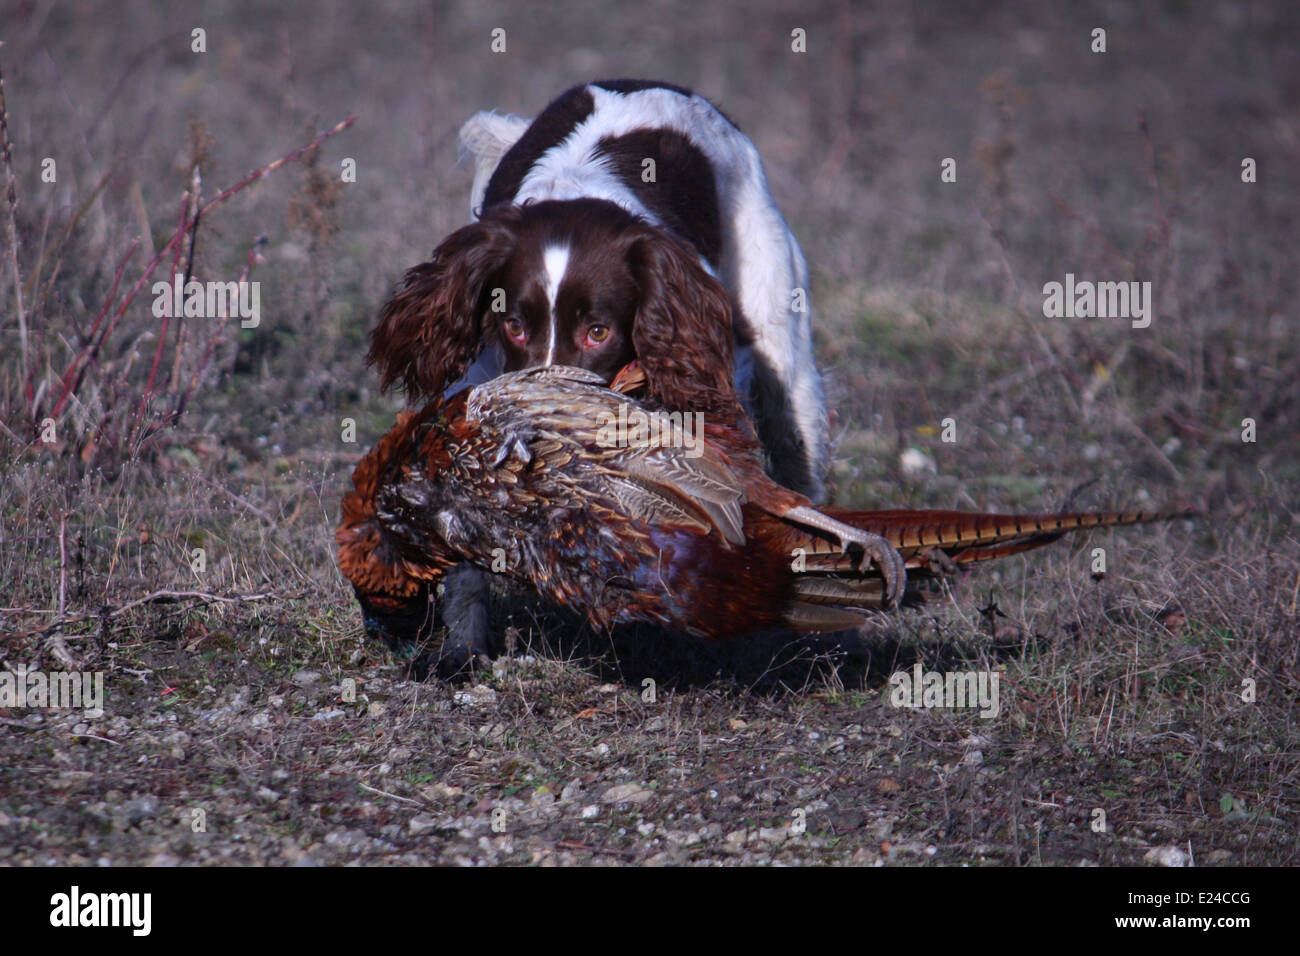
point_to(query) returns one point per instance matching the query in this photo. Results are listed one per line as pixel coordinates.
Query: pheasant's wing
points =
(703, 480)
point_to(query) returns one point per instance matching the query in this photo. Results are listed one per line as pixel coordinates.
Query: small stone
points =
(626, 793)
(478, 696)
(916, 462)
(421, 823)
(1166, 856)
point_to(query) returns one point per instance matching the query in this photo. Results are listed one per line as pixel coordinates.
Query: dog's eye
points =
(597, 334)
(514, 328)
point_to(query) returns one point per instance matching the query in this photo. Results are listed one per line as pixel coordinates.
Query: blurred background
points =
(927, 295)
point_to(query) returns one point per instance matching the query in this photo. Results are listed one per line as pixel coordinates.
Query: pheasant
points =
(626, 513)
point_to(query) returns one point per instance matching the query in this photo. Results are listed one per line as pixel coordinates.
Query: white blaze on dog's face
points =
(556, 259)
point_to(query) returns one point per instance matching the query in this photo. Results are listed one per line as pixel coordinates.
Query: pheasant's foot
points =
(875, 548)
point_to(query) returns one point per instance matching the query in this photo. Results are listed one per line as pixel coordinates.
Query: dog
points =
(629, 220)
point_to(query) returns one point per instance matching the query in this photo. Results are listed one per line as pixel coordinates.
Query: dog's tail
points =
(485, 137)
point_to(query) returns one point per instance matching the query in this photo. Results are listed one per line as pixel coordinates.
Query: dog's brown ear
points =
(682, 333)
(431, 329)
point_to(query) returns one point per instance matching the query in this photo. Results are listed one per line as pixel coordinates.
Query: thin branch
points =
(92, 351)
(254, 256)
(107, 740)
(38, 292)
(200, 595)
(247, 504)
(63, 564)
(196, 193)
(69, 387)
(187, 202)
(385, 793)
(160, 595)
(12, 223)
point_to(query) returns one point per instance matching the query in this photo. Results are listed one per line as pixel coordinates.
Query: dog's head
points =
(575, 282)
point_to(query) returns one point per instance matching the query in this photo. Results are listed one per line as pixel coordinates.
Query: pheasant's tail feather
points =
(844, 591)
(930, 542)
(810, 616)
(969, 537)
(841, 591)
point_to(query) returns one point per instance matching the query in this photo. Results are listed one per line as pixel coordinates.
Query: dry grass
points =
(1122, 695)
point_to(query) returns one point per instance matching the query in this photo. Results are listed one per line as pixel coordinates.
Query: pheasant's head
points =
(404, 624)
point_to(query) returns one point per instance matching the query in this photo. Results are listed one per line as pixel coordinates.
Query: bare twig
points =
(12, 223)
(385, 793)
(184, 397)
(9, 433)
(107, 740)
(1107, 247)
(77, 368)
(63, 564)
(243, 501)
(272, 167)
(196, 196)
(107, 614)
(38, 292)
(188, 201)
(91, 351)
(199, 595)
(59, 649)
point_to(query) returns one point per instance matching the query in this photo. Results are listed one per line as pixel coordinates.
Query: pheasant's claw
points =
(883, 554)
(886, 557)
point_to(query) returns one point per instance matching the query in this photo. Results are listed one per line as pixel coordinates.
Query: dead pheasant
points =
(626, 514)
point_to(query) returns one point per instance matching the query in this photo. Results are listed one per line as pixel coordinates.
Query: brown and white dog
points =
(628, 220)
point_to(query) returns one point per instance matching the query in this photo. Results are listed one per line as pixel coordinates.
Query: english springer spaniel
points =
(630, 219)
